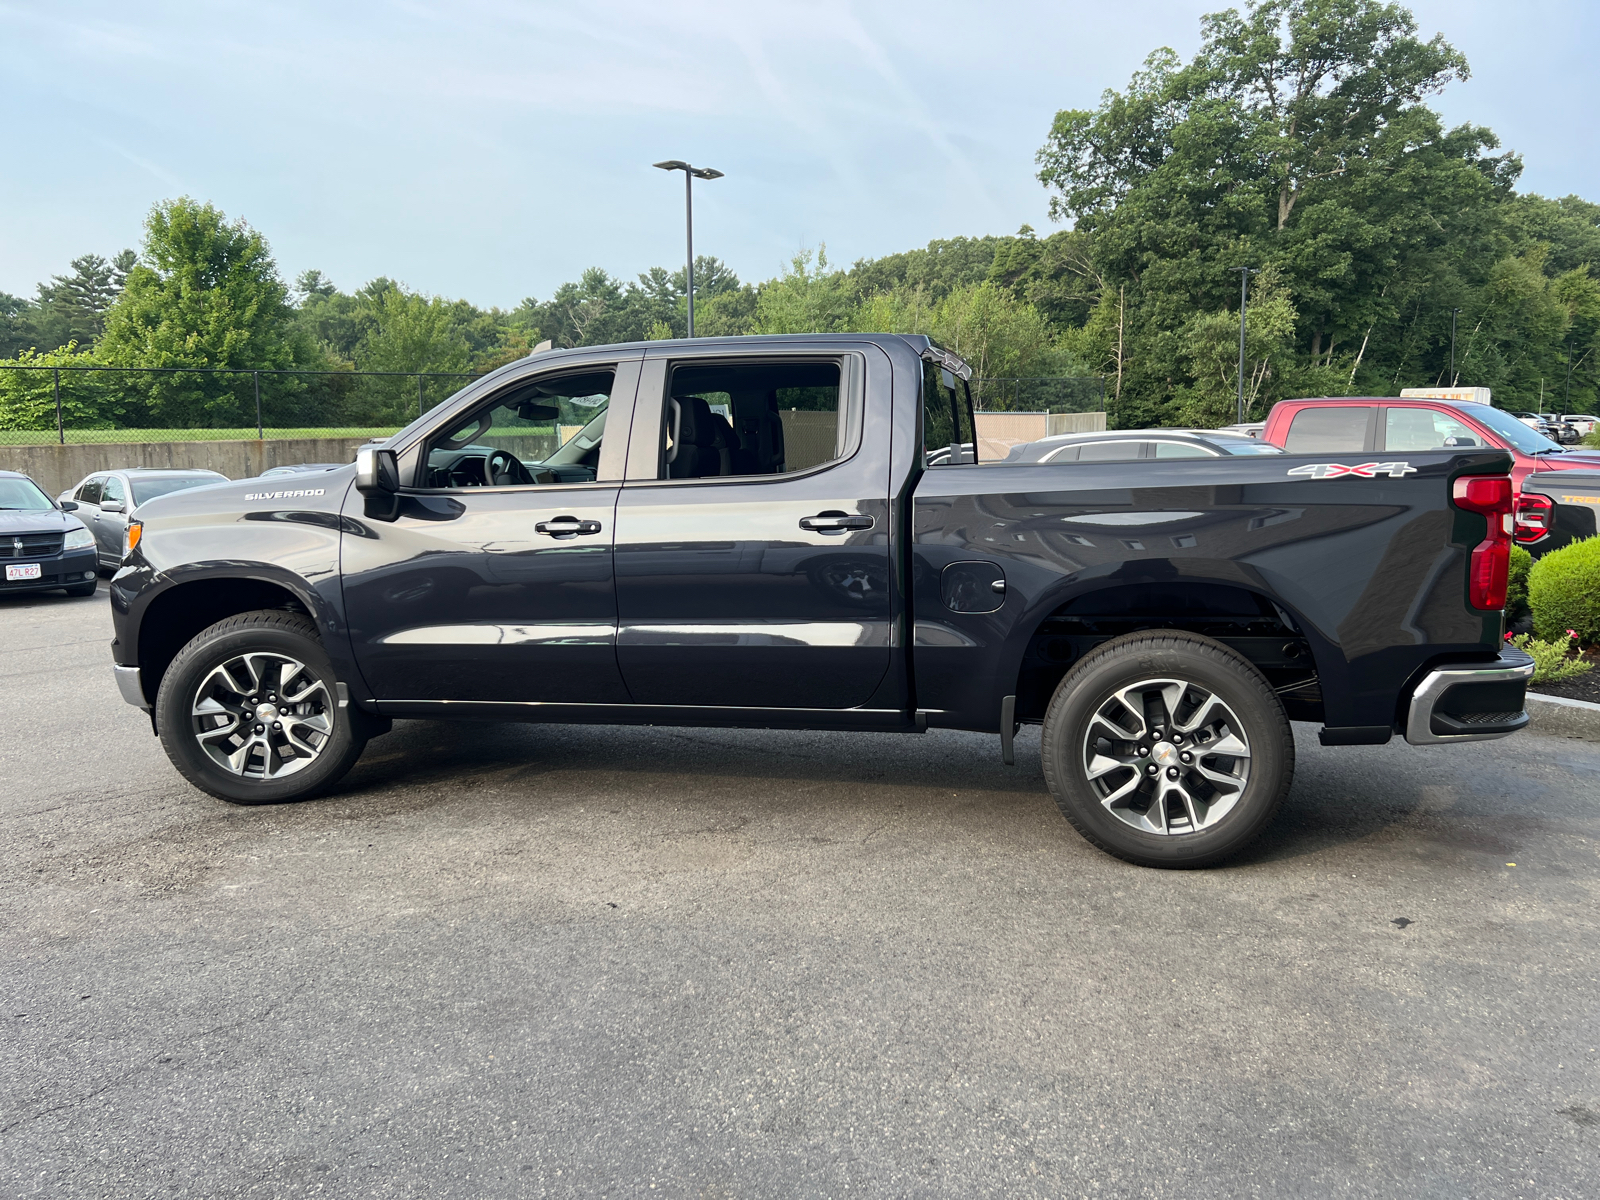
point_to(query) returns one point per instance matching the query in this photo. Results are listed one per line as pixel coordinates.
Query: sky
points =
(492, 149)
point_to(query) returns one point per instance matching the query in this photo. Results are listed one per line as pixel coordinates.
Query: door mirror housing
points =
(68, 506)
(377, 471)
(113, 506)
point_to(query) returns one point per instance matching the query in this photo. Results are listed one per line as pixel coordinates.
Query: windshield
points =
(22, 493)
(1508, 427)
(147, 490)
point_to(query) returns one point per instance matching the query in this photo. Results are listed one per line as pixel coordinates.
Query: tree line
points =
(1296, 143)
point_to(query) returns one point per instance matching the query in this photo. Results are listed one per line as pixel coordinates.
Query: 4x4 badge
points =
(1394, 470)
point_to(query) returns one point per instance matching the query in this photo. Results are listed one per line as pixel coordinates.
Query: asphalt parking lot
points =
(570, 961)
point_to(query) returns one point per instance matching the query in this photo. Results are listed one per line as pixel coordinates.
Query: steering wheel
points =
(503, 462)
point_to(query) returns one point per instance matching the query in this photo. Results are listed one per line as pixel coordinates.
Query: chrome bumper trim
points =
(129, 684)
(1419, 717)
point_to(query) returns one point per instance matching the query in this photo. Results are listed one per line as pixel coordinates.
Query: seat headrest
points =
(695, 426)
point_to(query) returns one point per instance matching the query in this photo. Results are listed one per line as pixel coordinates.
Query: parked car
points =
(107, 499)
(1582, 422)
(698, 554)
(1556, 508)
(1387, 425)
(1125, 444)
(1249, 428)
(299, 468)
(42, 545)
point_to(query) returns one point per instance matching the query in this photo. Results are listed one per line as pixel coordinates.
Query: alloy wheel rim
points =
(1166, 756)
(262, 716)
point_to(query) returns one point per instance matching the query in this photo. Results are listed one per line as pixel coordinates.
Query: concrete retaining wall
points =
(55, 468)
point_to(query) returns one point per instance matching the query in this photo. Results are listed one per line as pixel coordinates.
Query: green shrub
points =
(1517, 585)
(1552, 661)
(1564, 592)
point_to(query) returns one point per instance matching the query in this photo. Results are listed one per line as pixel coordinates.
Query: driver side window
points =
(535, 432)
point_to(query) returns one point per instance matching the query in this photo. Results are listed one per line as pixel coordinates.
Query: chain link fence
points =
(1040, 394)
(77, 404)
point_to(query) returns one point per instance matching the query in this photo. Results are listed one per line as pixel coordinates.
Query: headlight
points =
(131, 538)
(79, 539)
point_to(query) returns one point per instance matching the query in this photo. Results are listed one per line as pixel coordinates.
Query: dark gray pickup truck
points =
(751, 532)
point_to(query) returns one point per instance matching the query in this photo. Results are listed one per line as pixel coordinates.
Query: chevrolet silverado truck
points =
(748, 532)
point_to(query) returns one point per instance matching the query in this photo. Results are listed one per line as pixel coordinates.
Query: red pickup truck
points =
(1390, 425)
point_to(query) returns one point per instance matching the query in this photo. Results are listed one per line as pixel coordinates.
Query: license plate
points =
(25, 571)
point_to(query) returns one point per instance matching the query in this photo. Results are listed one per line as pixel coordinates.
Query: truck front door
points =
(753, 557)
(493, 583)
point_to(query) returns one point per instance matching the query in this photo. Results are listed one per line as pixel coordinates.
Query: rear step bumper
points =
(1469, 703)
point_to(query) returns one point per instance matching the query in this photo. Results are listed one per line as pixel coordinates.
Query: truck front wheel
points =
(249, 711)
(1167, 749)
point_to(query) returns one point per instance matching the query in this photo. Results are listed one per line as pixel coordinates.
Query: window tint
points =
(1182, 450)
(1111, 450)
(89, 490)
(1329, 430)
(1065, 454)
(753, 419)
(146, 490)
(112, 490)
(1423, 429)
(537, 431)
(946, 421)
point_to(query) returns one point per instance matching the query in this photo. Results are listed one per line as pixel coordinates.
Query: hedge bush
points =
(1517, 585)
(1564, 592)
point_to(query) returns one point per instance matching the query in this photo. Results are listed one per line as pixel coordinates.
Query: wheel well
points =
(1247, 621)
(175, 616)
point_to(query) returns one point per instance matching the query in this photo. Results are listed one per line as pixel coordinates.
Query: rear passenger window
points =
(1111, 450)
(757, 418)
(1341, 430)
(89, 491)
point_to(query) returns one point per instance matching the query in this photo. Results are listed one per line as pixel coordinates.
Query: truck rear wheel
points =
(1167, 749)
(249, 711)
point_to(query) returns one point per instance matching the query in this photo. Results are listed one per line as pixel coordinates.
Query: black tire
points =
(274, 638)
(1186, 819)
(84, 589)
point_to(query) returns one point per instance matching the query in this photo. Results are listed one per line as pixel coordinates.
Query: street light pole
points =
(1453, 377)
(1566, 392)
(1244, 298)
(690, 174)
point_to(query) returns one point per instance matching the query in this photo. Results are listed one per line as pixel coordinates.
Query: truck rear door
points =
(753, 534)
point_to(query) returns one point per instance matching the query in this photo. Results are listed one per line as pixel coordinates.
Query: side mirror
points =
(69, 506)
(113, 506)
(377, 471)
(1460, 440)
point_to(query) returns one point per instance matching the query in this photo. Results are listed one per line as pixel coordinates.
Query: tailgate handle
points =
(835, 522)
(565, 527)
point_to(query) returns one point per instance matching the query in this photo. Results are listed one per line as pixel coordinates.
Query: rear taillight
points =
(1535, 515)
(1491, 496)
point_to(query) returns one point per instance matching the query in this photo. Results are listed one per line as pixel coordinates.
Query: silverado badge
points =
(1394, 470)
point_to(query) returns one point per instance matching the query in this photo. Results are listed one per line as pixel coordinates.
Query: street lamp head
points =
(677, 164)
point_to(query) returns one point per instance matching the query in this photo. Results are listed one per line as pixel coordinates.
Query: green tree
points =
(206, 294)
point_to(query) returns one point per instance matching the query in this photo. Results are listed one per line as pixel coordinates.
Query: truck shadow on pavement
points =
(1439, 802)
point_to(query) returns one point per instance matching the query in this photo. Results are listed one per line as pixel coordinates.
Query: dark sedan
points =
(42, 546)
(1128, 444)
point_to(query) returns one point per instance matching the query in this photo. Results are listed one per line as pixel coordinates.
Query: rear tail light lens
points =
(1535, 515)
(1491, 496)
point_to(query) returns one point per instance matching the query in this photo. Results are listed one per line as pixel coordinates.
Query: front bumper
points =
(72, 569)
(1469, 703)
(131, 686)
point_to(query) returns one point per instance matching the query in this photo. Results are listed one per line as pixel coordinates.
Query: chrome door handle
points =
(565, 527)
(835, 522)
